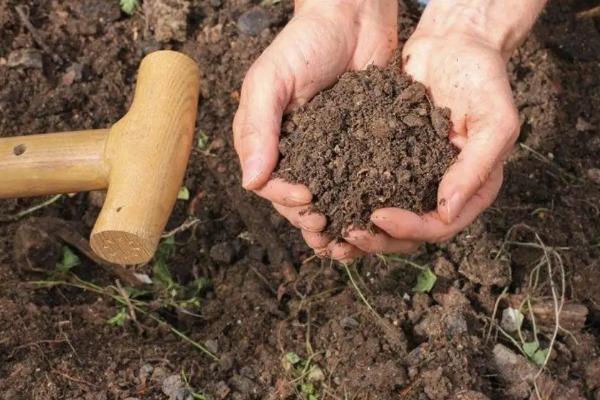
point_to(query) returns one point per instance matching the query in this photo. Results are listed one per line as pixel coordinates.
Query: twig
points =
(493, 320)
(181, 228)
(591, 13)
(31, 210)
(22, 12)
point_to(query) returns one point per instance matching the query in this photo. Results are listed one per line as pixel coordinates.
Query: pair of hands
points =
(451, 52)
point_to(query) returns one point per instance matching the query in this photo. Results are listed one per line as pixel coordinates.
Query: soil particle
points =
(482, 268)
(592, 375)
(594, 175)
(167, 19)
(373, 140)
(253, 21)
(35, 248)
(26, 58)
(223, 252)
(174, 388)
(437, 386)
(469, 395)
(444, 268)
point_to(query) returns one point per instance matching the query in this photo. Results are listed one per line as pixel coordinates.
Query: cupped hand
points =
(465, 72)
(323, 40)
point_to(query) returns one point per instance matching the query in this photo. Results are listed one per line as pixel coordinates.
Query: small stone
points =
(168, 19)
(253, 21)
(592, 374)
(582, 125)
(158, 375)
(145, 372)
(73, 74)
(594, 175)
(440, 119)
(413, 120)
(212, 346)
(222, 390)
(348, 323)
(242, 384)
(444, 268)
(226, 362)
(27, 58)
(223, 252)
(469, 395)
(172, 385)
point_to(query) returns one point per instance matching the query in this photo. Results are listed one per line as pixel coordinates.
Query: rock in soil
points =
(254, 21)
(373, 140)
(168, 19)
(27, 58)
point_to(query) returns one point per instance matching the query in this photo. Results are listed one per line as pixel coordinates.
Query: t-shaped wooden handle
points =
(141, 160)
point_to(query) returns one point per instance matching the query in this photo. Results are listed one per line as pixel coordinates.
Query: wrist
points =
(500, 24)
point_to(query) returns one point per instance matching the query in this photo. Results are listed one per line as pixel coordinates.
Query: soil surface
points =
(281, 323)
(373, 140)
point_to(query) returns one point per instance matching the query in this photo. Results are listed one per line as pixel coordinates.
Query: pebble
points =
(27, 58)
(594, 175)
(253, 21)
(348, 323)
(212, 346)
(223, 252)
(174, 387)
(73, 74)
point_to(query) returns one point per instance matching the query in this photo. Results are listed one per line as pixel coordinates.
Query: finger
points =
(301, 217)
(406, 225)
(380, 243)
(266, 91)
(489, 140)
(342, 251)
(315, 240)
(284, 193)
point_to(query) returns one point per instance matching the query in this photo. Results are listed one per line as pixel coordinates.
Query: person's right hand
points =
(323, 40)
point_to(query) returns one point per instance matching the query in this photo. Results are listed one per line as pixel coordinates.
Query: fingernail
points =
(453, 206)
(252, 169)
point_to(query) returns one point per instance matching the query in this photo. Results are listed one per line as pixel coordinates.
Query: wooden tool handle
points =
(147, 152)
(53, 163)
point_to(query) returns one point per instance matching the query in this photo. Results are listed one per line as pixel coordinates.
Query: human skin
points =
(459, 50)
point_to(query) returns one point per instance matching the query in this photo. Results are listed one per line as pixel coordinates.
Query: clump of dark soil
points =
(373, 140)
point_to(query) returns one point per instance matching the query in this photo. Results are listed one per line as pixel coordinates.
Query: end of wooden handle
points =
(148, 152)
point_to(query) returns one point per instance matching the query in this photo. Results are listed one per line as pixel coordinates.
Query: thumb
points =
(264, 96)
(489, 140)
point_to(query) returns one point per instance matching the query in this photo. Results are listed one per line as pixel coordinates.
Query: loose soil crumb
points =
(373, 140)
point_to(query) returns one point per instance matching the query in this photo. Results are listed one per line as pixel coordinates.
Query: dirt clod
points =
(168, 19)
(27, 58)
(371, 141)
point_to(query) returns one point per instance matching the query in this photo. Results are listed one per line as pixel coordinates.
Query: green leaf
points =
(202, 140)
(184, 194)
(293, 358)
(162, 275)
(540, 357)
(425, 281)
(165, 249)
(307, 388)
(530, 348)
(267, 3)
(119, 319)
(312, 397)
(129, 6)
(69, 260)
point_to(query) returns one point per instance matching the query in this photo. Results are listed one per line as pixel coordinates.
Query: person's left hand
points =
(466, 73)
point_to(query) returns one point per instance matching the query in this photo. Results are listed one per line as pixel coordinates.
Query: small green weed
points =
(306, 375)
(165, 291)
(129, 6)
(184, 194)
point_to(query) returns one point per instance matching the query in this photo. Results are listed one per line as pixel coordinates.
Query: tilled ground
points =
(272, 312)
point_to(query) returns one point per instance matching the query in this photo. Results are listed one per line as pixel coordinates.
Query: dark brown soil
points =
(266, 299)
(373, 140)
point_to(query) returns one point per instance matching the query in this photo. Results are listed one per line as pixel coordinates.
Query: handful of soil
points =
(373, 140)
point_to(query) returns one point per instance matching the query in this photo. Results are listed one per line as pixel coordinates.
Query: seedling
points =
(129, 6)
(425, 280)
(184, 194)
(166, 292)
(305, 375)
